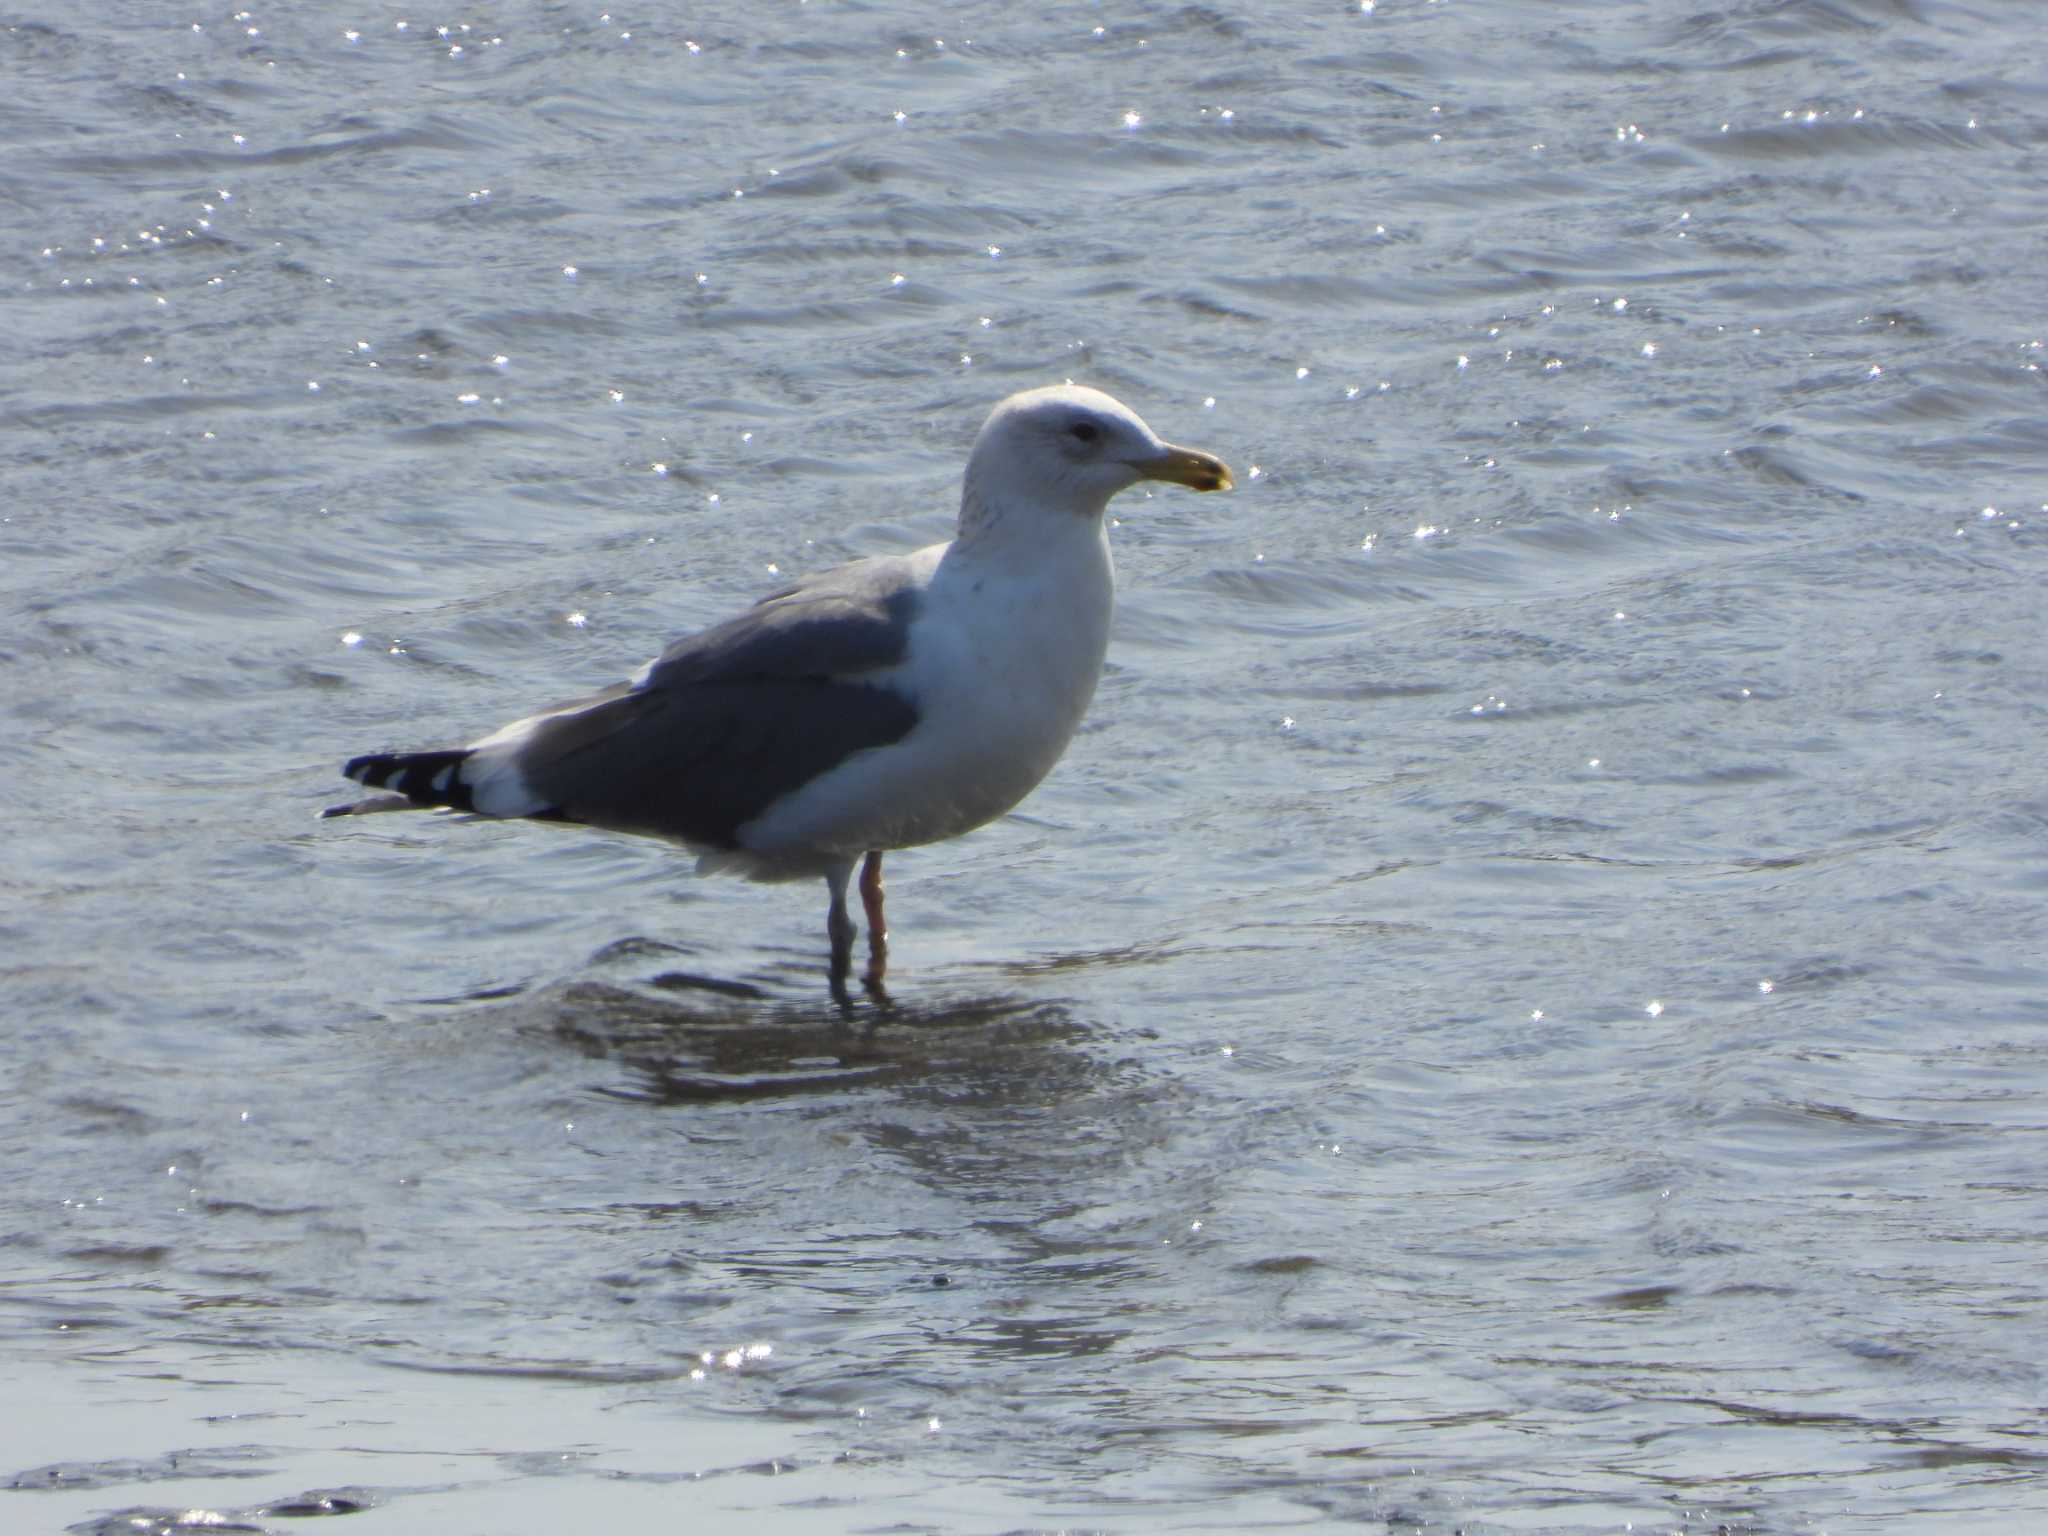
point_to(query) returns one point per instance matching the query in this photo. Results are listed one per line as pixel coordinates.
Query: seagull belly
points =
(1001, 685)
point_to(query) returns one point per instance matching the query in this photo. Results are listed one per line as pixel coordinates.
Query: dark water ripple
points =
(1521, 1011)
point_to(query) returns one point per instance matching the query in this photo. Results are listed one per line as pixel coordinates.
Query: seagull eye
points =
(1086, 431)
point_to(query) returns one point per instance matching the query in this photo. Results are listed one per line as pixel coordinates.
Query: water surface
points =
(1522, 1011)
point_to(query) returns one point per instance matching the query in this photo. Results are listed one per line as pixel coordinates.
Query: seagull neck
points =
(990, 519)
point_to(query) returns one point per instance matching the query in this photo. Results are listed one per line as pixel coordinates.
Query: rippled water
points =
(1523, 1011)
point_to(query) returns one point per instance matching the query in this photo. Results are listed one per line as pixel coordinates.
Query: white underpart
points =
(497, 787)
(1002, 662)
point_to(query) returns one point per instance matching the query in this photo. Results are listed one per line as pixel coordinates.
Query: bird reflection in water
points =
(685, 1036)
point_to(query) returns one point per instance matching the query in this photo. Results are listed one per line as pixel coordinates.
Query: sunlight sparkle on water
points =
(1132, 119)
(1766, 985)
(1653, 1008)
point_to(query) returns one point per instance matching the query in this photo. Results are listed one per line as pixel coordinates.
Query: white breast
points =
(1003, 660)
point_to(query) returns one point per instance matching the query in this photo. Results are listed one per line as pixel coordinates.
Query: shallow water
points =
(1522, 1011)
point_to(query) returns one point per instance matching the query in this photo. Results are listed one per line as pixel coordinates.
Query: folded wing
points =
(708, 735)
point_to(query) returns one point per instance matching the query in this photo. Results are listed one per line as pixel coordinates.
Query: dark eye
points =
(1086, 431)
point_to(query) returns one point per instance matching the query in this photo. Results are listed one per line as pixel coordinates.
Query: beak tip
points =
(1192, 468)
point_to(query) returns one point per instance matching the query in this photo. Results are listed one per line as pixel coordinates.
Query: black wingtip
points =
(424, 778)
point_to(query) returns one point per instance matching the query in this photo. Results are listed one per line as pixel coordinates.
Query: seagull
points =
(886, 703)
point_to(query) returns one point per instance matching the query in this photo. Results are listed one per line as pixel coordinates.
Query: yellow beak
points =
(1187, 466)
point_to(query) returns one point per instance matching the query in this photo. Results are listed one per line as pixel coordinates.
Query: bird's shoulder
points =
(851, 619)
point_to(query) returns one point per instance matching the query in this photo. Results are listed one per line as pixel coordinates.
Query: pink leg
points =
(878, 925)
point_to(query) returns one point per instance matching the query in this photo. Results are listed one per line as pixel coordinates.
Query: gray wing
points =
(727, 721)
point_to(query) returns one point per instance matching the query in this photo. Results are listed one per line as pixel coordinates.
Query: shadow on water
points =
(689, 1036)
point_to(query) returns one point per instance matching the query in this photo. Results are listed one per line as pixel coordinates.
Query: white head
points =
(1071, 448)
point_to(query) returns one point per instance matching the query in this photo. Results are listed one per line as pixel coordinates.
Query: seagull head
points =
(1072, 448)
